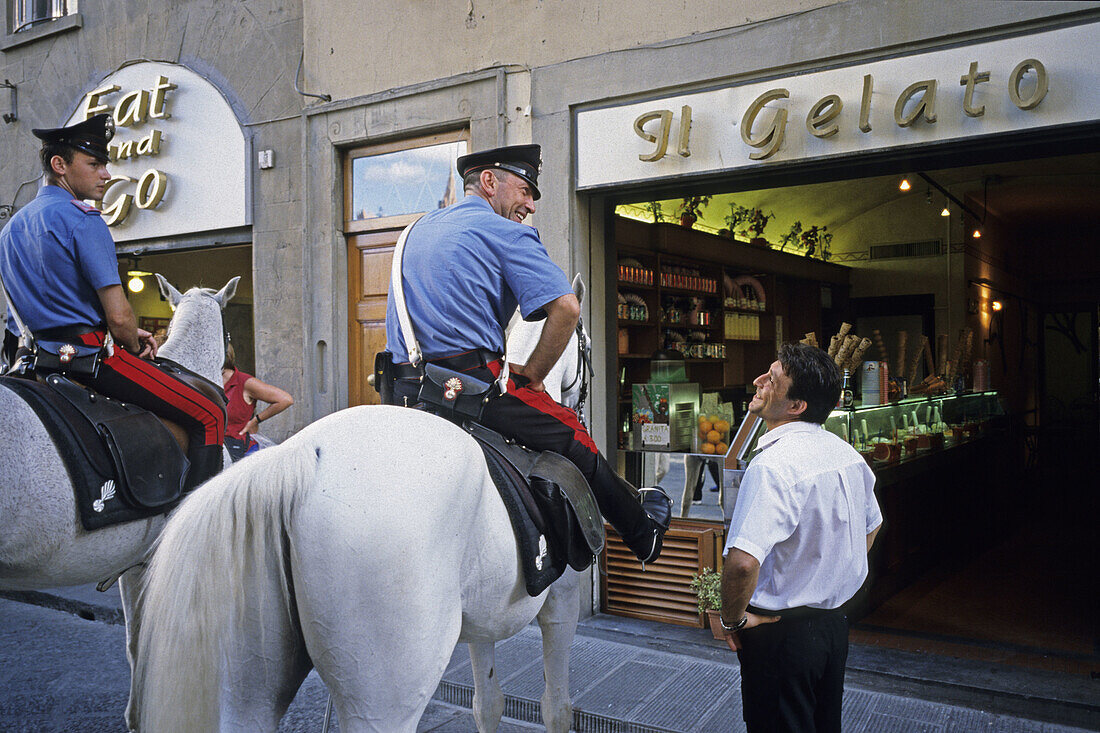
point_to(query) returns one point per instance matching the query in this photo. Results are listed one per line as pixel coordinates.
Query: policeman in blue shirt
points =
(59, 266)
(466, 268)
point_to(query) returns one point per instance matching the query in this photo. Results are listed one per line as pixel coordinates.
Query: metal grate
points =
(927, 248)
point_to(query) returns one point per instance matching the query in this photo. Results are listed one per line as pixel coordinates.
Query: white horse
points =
(42, 543)
(367, 545)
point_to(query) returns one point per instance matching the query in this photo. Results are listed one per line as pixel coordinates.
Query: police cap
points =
(90, 136)
(524, 161)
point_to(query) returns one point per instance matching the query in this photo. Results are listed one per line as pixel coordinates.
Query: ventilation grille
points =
(661, 592)
(928, 248)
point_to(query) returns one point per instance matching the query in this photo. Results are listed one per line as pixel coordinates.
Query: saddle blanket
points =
(555, 526)
(103, 495)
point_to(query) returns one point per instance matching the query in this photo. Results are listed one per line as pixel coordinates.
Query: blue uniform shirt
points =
(55, 253)
(466, 268)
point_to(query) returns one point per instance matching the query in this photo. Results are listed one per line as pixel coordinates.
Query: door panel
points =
(369, 258)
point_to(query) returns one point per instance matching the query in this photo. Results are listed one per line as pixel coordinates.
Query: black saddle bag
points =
(65, 358)
(455, 394)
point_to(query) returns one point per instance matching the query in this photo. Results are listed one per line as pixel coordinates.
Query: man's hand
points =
(732, 638)
(147, 344)
(537, 386)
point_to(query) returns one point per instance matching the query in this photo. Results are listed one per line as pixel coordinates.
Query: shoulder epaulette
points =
(86, 208)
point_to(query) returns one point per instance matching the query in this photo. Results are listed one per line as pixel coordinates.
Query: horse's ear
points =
(578, 287)
(170, 293)
(226, 294)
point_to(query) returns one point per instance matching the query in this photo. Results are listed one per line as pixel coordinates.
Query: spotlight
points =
(996, 305)
(946, 212)
(977, 234)
(904, 185)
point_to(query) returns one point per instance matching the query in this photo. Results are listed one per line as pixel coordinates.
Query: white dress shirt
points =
(804, 510)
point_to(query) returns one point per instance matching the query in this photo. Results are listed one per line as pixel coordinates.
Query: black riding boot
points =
(206, 462)
(639, 516)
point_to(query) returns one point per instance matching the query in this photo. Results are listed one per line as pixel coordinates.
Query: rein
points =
(584, 370)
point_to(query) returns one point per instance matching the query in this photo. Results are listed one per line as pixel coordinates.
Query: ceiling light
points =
(904, 185)
(136, 284)
(996, 305)
(946, 212)
(977, 234)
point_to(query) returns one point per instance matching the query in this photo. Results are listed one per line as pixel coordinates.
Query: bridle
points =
(584, 371)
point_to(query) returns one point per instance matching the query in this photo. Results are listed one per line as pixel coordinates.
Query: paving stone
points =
(627, 687)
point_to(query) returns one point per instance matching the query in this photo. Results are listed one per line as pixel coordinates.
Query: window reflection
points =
(406, 181)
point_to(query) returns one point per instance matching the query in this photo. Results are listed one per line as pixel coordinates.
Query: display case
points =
(899, 431)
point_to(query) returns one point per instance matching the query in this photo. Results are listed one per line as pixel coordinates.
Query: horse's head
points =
(196, 335)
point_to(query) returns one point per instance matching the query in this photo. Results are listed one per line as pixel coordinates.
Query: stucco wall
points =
(249, 51)
(355, 48)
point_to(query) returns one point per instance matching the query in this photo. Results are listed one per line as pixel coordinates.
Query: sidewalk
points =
(634, 676)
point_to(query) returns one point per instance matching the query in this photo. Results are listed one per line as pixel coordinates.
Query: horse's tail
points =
(225, 543)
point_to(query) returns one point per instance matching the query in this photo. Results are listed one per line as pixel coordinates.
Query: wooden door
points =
(369, 258)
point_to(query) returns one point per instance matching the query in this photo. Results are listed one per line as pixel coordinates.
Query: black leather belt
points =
(791, 614)
(61, 333)
(467, 360)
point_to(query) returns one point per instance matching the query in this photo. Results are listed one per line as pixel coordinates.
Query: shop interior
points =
(184, 269)
(965, 285)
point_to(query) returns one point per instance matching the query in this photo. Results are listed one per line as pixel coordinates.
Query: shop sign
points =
(1026, 83)
(178, 158)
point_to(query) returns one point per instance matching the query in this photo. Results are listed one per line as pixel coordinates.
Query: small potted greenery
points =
(690, 209)
(749, 223)
(707, 587)
(654, 208)
(815, 237)
(791, 238)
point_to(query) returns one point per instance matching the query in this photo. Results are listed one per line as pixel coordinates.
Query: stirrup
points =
(657, 505)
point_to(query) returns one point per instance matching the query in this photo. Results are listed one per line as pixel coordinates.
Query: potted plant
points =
(707, 586)
(757, 221)
(691, 208)
(791, 238)
(737, 219)
(816, 237)
(654, 208)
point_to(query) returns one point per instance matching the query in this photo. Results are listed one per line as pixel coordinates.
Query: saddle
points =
(124, 464)
(550, 504)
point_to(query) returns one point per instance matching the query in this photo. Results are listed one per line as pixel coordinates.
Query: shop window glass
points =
(26, 14)
(405, 181)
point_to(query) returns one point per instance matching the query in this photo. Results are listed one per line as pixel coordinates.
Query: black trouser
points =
(792, 672)
(536, 421)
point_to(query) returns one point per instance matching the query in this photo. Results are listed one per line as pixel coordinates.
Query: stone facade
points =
(250, 52)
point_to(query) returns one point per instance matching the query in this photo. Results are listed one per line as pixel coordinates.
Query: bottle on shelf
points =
(846, 398)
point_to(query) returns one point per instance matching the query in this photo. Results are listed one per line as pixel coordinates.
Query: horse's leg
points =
(488, 697)
(129, 587)
(558, 621)
(265, 667)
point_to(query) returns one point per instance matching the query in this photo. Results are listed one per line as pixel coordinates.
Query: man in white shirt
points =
(796, 550)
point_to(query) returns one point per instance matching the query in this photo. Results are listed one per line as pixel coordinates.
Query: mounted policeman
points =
(464, 270)
(66, 302)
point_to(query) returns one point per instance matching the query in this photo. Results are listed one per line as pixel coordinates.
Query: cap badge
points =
(66, 352)
(109, 128)
(452, 387)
